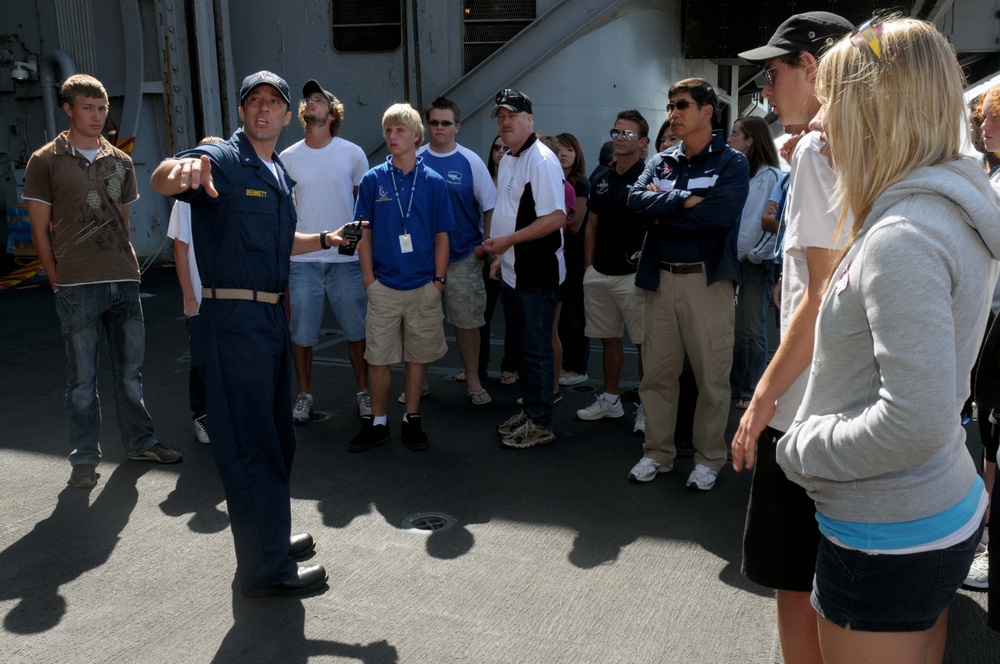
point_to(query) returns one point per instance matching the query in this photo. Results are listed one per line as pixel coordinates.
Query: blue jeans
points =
(529, 315)
(88, 314)
(750, 347)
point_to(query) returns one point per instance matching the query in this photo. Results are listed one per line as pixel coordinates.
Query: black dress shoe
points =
(83, 475)
(300, 545)
(307, 579)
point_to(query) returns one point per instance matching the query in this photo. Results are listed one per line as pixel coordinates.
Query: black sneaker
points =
(159, 453)
(413, 435)
(83, 476)
(369, 436)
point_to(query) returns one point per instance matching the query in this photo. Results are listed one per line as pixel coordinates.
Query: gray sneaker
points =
(160, 454)
(646, 470)
(303, 410)
(363, 400)
(527, 435)
(505, 427)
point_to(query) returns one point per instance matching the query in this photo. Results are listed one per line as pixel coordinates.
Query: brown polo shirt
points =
(90, 237)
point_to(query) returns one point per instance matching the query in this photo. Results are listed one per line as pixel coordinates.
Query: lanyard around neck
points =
(413, 189)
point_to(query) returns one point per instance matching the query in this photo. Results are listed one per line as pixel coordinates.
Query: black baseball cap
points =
(264, 78)
(312, 85)
(809, 31)
(513, 100)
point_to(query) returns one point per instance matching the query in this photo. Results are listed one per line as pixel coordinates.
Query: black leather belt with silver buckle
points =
(241, 294)
(682, 268)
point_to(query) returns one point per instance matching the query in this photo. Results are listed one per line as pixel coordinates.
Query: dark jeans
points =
(750, 346)
(89, 315)
(196, 384)
(572, 322)
(492, 297)
(529, 315)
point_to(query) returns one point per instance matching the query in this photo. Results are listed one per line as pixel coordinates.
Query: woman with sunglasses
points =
(878, 442)
(575, 344)
(755, 249)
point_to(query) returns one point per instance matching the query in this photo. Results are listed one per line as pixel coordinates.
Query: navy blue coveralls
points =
(243, 239)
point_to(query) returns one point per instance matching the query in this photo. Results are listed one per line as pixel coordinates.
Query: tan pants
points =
(686, 316)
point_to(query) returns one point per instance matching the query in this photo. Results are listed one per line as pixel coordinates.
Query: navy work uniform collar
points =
(250, 159)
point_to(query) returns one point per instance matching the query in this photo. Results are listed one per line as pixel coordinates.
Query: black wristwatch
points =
(441, 279)
(322, 239)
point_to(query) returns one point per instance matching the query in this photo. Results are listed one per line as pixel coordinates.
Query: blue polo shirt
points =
(394, 204)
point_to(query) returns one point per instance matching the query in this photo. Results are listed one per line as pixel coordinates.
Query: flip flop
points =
(508, 378)
(479, 397)
(459, 377)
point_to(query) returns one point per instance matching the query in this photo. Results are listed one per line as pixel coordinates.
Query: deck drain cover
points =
(428, 521)
(583, 388)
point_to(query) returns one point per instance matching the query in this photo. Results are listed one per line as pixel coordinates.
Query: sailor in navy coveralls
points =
(243, 224)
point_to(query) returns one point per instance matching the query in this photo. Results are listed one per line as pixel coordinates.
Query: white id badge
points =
(405, 244)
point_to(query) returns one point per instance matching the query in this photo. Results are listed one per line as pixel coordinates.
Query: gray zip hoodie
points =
(878, 437)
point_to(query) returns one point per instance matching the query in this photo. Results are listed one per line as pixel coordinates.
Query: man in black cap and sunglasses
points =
(526, 236)
(781, 536)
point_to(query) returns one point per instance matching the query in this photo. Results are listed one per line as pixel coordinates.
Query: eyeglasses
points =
(315, 100)
(766, 77)
(440, 123)
(626, 134)
(868, 35)
(682, 105)
(501, 148)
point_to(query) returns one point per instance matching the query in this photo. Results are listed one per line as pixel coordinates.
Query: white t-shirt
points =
(179, 228)
(324, 189)
(810, 221)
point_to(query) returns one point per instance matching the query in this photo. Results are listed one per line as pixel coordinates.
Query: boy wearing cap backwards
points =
(781, 537)
(243, 224)
(526, 236)
(327, 171)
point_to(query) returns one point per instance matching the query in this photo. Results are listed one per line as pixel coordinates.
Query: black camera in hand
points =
(351, 235)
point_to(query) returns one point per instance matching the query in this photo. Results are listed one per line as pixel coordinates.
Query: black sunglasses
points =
(682, 105)
(440, 123)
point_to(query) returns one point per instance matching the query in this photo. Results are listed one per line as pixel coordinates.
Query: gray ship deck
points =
(555, 557)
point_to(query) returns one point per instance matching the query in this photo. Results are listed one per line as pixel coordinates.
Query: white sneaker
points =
(600, 409)
(646, 470)
(303, 410)
(566, 379)
(363, 400)
(702, 478)
(979, 572)
(201, 429)
(640, 421)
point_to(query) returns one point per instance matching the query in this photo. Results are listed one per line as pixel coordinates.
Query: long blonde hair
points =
(887, 117)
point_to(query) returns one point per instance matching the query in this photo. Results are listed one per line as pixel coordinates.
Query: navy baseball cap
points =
(513, 101)
(809, 31)
(264, 78)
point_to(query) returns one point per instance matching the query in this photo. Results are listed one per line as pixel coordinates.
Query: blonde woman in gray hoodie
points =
(877, 442)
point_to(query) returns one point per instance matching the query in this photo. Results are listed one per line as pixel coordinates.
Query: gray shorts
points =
(465, 294)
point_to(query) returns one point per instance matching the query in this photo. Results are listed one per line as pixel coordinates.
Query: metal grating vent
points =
(488, 25)
(428, 521)
(366, 26)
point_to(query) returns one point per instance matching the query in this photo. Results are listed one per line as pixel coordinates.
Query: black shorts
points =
(781, 536)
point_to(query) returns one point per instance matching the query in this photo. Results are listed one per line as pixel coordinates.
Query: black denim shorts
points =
(889, 593)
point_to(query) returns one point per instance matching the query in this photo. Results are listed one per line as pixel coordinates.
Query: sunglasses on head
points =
(681, 105)
(504, 95)
(867, 36)
(440, 123)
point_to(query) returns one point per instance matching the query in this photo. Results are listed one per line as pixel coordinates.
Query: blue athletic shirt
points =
(472, 194)
(381, 202)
